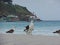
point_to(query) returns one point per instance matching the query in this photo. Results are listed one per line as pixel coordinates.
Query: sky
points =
(44, 9)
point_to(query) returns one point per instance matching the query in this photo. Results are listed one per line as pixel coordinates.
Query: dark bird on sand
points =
(10, 31)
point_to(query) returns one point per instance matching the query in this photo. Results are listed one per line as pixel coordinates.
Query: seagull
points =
(29, 28)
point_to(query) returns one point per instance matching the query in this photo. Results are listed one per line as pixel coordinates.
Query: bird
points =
(29, 28)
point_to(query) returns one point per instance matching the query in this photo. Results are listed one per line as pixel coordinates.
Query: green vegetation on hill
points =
(13, 9)
(22, 10)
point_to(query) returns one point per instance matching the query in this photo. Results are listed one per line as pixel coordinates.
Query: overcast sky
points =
(44, 9)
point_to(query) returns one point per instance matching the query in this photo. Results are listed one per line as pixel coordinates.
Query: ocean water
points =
(40, 28)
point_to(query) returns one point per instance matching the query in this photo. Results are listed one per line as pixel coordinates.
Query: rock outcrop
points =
(10, 31)
(58, 31)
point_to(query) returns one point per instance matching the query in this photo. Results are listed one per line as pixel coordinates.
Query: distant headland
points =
(11, 12)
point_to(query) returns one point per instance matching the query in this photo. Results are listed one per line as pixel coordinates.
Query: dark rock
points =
(58, 31)
(10, 31)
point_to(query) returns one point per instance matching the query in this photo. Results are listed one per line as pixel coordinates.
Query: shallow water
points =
(40, 28)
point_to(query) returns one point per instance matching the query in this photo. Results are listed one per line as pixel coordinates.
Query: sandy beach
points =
(16, 39)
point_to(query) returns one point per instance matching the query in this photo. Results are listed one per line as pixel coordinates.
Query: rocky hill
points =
(10, 12)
